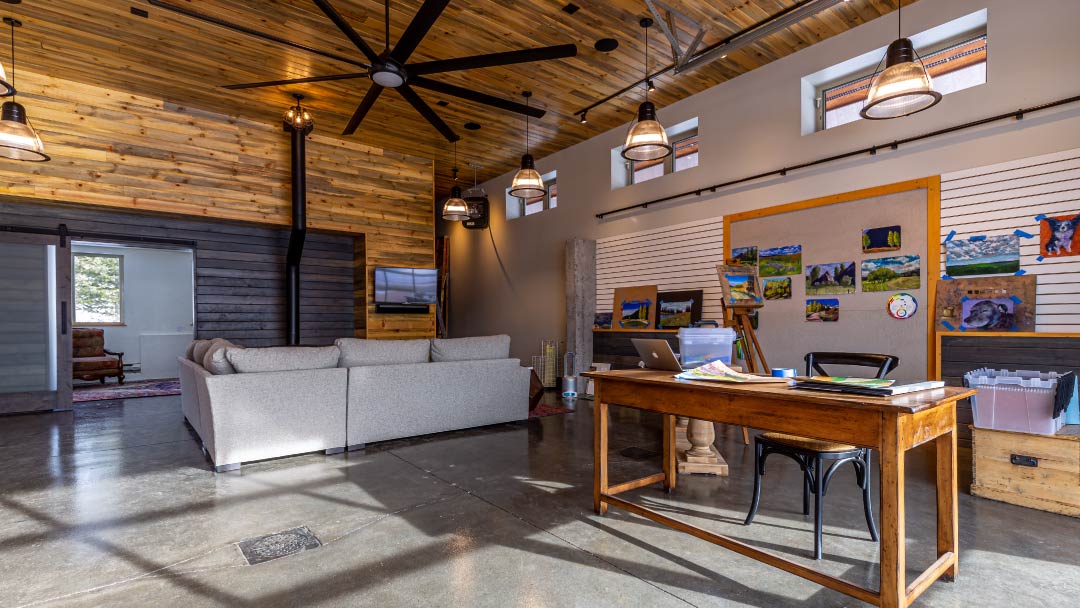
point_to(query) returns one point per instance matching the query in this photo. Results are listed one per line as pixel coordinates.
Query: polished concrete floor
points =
(114, 505)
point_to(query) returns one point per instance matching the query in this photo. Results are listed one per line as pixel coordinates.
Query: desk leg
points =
(892, 562)
(947, 508)
(600, 452)
(671, 467)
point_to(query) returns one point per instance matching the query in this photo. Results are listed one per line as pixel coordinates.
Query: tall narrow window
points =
(686, 153)
(99, 289)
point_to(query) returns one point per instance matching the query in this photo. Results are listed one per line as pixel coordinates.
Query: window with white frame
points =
(98, 289)
(684, 143)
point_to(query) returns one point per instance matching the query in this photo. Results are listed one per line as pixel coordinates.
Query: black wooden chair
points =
(813, 454)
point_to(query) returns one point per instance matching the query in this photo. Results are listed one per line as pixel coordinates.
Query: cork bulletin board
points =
(830, 233)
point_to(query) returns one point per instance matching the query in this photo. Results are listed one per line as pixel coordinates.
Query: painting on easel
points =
(740, 286)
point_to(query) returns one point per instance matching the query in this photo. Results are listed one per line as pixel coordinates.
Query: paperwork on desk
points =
(864, 386)
(718, 372)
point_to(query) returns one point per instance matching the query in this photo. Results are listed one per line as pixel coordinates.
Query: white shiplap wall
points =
(683, 256)
(1003, 198)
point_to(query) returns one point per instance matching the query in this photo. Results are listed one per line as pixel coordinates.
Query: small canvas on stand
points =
(740, 286)
(635, 307)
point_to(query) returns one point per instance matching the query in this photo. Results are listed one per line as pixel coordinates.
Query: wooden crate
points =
(1036, 471)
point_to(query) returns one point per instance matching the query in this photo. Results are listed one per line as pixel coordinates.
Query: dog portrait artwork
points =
(996, 314)
(1059, 236)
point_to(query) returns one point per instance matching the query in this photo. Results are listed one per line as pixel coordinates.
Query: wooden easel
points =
(744, 332)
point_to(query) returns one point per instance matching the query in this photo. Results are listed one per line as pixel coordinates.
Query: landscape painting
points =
(830, 279)
(989, 255)
(679, 308)
(1058, 236)
(891, 274)
(825, 310)
(740, 286)
(780, 261)
(777, 288)
(634, 314)
(875, 240)
(634, 307)
(744, 256)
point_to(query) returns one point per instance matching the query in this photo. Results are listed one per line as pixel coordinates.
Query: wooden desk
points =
(890, 425)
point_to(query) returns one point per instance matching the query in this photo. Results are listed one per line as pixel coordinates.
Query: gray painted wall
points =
(512, 281)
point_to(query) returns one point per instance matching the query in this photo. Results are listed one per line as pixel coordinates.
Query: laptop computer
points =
(657, 354)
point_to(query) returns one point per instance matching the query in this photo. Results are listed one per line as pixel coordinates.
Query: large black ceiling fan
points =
(390, 69)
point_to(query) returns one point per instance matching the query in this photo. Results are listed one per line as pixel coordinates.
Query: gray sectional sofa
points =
(249, 404)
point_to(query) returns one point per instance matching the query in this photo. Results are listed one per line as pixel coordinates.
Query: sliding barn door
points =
(35, 328)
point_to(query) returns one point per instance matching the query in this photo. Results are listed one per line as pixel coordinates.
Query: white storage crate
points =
(701, 345)
(1015, 401)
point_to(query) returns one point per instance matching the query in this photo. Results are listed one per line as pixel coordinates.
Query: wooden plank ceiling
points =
(182, 60)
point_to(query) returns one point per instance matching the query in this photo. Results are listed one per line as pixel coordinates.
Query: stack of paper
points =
(718, 372)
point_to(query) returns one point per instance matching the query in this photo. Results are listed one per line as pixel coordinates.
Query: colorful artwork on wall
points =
(780, 261)
(982, 255)
(891, 274)
(635, 307)
(777, 288)
(823, 310)
(956, 298)
(830, 279)
(1058, 236)
(875, 240)
(744, 256)
(678, 308)
(740, 286)
(602, 320)
(990, 314)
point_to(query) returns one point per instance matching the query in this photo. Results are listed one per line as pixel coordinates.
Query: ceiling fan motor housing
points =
(389, 74)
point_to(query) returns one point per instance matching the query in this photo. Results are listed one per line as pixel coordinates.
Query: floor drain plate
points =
(280, 544)
(636, 453)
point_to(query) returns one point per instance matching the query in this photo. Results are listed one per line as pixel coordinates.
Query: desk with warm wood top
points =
(890, 425)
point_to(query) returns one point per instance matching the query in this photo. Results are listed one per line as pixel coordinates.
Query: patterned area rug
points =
(544, 409)
(128, 390)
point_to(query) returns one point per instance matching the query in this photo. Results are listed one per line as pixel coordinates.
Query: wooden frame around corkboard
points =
(634, 308)
(986, 304)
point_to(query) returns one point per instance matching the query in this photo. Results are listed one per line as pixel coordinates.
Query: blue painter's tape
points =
(1014, 328)
(1039, 259)
(981, 237)
(1021, 272)
(947, 325)
(1040, 217)
(964, 299)
(1023, 234)
(962, 328)
(1016, 300)
(952, 233)
(946, 277)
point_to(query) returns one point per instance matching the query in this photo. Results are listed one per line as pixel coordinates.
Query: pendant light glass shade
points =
(455, 209)
(6, 88)
(527, 182)
(647, 139)
(902, 88)
(18, 140)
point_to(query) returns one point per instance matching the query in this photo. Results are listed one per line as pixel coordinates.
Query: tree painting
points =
(886, 238)
(98, 288)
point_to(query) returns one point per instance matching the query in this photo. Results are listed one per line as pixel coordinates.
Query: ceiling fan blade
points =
(546, 53)
(414, 34)
(362, 109)
(276, 83)
(347, 29)
(484, 98)
(426, 111)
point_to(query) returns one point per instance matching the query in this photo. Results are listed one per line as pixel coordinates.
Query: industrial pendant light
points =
(527, 182)
(455, 209)
(904, 86)
(647, 139)
(297, 117)
(18, 139)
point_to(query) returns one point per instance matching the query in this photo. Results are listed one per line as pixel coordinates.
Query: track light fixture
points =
(584, 118)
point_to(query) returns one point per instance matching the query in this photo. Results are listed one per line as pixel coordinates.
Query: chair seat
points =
(807, 443)
(94, 364)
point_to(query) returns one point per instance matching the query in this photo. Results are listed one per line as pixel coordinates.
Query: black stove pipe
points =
(297, 234)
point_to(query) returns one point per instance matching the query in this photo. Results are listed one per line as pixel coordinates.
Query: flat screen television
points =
(408, 286)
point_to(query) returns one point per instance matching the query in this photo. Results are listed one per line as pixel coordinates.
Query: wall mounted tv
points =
(406, 286)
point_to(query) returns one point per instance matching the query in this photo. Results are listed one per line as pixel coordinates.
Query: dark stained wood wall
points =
(239, 270)
(962, 354)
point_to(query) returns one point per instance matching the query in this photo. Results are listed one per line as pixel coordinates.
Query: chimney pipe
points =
(298, 124)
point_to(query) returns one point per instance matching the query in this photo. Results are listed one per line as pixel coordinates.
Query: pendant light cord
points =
(387, 26)
(646, 63)
(13, 59)
(527, 125)
(899, 18)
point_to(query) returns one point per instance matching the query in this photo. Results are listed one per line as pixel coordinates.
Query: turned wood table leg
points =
(701, 456)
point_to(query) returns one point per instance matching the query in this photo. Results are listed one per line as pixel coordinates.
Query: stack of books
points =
(863, 386)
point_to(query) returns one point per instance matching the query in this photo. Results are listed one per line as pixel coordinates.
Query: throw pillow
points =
(361, 353)
(198, 351)
(215, 360)
(282, 358)
(471, 349)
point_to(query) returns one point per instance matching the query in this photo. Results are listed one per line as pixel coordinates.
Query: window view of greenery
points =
(98, 288)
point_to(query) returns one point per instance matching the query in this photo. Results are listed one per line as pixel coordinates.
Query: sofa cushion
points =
(361, 353)
(95, 364)
(215, 360)
(282, 358)
(190, 352)
(470, 349)
(198, 351)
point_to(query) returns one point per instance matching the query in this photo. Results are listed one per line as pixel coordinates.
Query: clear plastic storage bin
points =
(1015, 401)
(701, 345)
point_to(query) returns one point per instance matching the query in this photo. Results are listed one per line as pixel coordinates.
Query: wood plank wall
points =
(239, 270)
(127, 152)
(683, 256)
(1003, 198)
